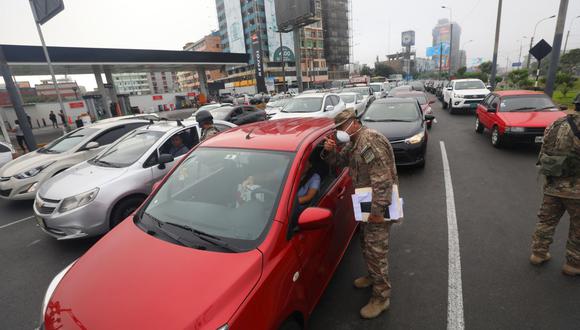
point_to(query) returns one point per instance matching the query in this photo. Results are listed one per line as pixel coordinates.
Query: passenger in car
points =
(177, 146)
(309, 186)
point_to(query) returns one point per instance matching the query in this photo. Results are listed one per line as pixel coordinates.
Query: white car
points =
(6, 153)
(354, 101)
(379, 89)
(274, 107)
(312, 105)
(464, 94)
(22, 177)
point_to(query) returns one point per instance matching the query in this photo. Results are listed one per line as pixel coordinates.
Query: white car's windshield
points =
(128, 150)
(462, 85)
(376, 88)
(404, 111)
(303, 104)
(226, 193)
(347, 98)
(68, 141)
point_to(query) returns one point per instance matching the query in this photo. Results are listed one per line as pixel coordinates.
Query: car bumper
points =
(524, 137)
(85, 221)
(466, 103)
(15, 189)
(409, 154)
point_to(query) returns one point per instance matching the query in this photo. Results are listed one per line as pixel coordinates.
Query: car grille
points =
(472, 101)
(45, 205)
(5, 193)
(474, 96)
(535, 130)
(4, 178)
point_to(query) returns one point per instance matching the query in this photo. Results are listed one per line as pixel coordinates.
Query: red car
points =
(221, 243)
(518, 116)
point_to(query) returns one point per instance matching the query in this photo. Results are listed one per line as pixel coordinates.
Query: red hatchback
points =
(516, 116)
(221, 243)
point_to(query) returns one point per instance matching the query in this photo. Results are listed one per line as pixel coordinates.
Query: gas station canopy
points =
(30, 60)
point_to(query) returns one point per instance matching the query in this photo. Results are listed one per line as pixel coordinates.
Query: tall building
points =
(240, 20)
(162, 82)
(441, 38)
(132, 83)
(335, 22)
(462, 58)
(69, 89)
(188, 80)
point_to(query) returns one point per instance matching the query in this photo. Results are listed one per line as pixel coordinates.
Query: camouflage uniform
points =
(372, 163)
(560, 194)
(209, 132)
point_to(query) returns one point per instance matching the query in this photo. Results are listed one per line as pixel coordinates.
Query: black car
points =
(403, 123)
(239, 115)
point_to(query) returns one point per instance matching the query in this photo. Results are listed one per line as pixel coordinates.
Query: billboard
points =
(234, 21)
(294, 13)
(408, 38)
(274, 46)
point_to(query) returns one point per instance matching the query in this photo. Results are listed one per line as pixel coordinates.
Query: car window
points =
(4, 148)
(486, 100)
(114, 134)
(336, 99)
(128, 150)
(327, 102)
(68, 141)
(492, 100)
(242, 186)
(349, 98)
(526, 103)
(303, 104)
(385, 112)
(466, 85)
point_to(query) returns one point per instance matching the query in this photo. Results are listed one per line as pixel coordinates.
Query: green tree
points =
(520, 78)
(570, 61)
(383, 70)
(485, 67)
(366, 71)
(565, 82)
(461, 72)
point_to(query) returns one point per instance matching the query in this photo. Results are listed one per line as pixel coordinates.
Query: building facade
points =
(69, 90)
(28, 94)
(132, 83)
(162, 82)
(441, 41)
(189, 81)
(337, 38)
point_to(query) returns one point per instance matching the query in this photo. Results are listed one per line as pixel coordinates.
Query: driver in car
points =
(177, 146)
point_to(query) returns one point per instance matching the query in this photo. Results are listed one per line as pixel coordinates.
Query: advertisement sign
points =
(76, 105)
(408, 38)
(270, 84)
(259, 64)
(157, 97)
(235, 29)
(274, 37)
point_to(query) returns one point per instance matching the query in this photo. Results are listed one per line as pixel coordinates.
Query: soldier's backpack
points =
(558, 157)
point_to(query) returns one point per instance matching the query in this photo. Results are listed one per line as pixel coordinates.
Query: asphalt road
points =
(496, 197)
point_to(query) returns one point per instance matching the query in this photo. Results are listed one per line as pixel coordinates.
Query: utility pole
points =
(440, 58)
(283, 65)
(568, 34)
(298, 58)
(533, 36)
(556, 46)
(496, 45)
(16, 100)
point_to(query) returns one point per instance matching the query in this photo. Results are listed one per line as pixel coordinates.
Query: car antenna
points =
(179, 123)
(150, 123)
(250, 133)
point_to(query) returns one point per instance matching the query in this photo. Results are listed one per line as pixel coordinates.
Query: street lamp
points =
(534, 35)
(521, 46)
(450, 37)
(465, 43)
(568, 34)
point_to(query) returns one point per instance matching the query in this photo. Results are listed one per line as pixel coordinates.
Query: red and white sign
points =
(157, 97)
(76, 105)
(192, 94)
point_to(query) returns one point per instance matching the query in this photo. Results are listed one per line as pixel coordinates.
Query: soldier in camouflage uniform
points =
(205, 122)
(370, 158)
(561, 192)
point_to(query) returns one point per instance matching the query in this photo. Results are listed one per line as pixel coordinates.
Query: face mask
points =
(342, 137)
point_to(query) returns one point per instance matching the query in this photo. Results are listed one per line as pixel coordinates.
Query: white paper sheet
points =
(364, 195)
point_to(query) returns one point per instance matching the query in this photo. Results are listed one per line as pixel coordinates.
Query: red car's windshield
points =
(228, 194)
(524, 103)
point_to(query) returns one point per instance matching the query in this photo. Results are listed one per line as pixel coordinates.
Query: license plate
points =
(40, 222)
(473, 105)
(539, 139)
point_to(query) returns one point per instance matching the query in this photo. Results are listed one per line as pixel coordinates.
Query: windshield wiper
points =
(390, 120)
(523, 108)
(105, 163)
(546, 108)
(205, 236)
(174, 237)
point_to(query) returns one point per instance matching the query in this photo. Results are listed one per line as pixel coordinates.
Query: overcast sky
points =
(378, 24)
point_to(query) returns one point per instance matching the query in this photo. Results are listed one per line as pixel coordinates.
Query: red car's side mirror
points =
(314, 218)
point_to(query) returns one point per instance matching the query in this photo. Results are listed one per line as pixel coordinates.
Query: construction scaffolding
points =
(336, 25)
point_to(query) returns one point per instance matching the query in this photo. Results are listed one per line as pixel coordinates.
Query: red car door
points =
(319, 251)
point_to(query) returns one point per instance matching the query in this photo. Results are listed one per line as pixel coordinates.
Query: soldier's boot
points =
(570, 270)
(374, 308)
(538, 260)
(363, 282)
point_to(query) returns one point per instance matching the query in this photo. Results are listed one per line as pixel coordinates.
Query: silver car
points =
(21, 178)
(355, 101)
(94, 196)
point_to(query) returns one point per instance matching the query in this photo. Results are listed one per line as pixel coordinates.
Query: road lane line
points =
(455, 320)
(17, 221)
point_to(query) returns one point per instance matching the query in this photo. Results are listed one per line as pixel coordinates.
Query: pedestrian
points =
(61, 114)
(19, 136)
(371, 161)
(52, 118)
(559, 162)
(205, 121)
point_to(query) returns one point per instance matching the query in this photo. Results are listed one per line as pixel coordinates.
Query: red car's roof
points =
(518, 92)
(279, 135)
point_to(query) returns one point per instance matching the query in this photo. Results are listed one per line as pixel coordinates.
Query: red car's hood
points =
(531, 119)
(130, 280)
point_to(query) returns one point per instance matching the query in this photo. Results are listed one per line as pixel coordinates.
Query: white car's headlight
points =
(515, 129)
(32, 172)
(51, 287)
(459, 96)
(417, 138)
(79, 200)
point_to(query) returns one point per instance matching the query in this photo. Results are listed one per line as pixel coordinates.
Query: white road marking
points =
(455, 320)
(17, 221)
(32, 243)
